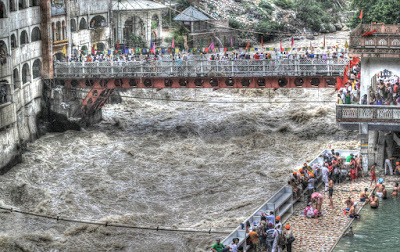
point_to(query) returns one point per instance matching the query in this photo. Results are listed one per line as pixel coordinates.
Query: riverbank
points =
(321, 234)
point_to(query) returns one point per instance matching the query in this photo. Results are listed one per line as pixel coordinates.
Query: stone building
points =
(34, 33)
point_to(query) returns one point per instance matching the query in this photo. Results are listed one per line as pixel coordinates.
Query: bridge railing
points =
(201, 68)
(368, 113)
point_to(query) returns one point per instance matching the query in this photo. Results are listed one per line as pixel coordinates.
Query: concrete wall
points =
(372, 66)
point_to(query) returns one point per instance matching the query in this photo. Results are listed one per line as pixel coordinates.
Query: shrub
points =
(284, 4)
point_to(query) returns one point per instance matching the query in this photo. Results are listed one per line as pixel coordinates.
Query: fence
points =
(367, 113)
(201, 68)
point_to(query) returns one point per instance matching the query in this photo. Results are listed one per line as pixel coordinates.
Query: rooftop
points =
(191, 14)
(126, 5)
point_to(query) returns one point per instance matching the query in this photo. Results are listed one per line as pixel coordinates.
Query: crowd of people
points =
(234, 55)
(384, 91)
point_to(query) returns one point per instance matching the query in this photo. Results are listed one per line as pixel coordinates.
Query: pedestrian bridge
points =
(330, 67)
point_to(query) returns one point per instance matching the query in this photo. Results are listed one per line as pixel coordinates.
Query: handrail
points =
(367, 113)
(201, 68)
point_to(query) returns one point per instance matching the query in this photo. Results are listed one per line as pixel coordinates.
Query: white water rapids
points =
(173, 164)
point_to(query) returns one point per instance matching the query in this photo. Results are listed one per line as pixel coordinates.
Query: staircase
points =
(95, 99)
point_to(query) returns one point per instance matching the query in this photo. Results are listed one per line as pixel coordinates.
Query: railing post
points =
(201, 68)
(83, 68)
(141, 69)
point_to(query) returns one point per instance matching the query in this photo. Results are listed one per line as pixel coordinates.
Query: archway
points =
(3, 49)
(100, 47)
(58, 31)
(12, 6)
(13, 41)
(82, 24)
(60, 57)
(155, 27)
(3, 10)
(73, 25)
(24, 38)
(134, 32)
(37, 68)
(384, 88)
(35, 36)
(16, 78)
(26, 74)
(98, 21)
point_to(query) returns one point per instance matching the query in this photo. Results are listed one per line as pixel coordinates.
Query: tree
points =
(380, 11)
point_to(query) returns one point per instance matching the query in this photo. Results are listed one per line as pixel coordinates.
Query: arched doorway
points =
(3, 11)
(37, 68)
(134, 32)
(26, 74)
(98, 21)
(35, 36)
(16, 78)
(82, 24)
(24, 38)
(384, 88)
(84, 49)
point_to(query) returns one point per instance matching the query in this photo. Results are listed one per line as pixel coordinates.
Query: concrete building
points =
(34, 33)
(378, 46)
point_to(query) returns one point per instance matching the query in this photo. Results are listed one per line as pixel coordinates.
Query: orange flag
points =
(361, 14)
(262, 42)
(248, 45)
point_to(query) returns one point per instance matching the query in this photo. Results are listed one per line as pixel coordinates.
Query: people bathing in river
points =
(349, 203)
(379, 188)
(395, 191)
(363, 195)
(352, 212)
(373, 201)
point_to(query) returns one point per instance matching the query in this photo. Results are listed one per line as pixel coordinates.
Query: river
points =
(197, 165)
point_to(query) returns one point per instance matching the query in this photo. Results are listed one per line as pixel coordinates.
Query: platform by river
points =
(322, 233)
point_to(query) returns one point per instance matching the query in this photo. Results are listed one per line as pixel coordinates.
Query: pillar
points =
(364, 145)
(47, 40)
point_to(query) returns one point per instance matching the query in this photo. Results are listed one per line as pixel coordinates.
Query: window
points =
(12, 5)
(24, 38)
(396, 42)
(13, 41)
(30, 3)
(35, 36)
(82, 24)
(36, 2)
(21, 4)
(369, 42)
(58, 31)
(98, 21)
(17, 81)
(26, 74)
(3, 49)
(382, 42)
(37, 68)
(3, 11)
(64, 29)
(73, 25)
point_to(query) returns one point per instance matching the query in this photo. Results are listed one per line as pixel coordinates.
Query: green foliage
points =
(178, 34)
(266, 7)
(137, 40)
(235, 24)
(312, 13)
(284, 4)
(380, 11)
(266, 28)
(182, 4)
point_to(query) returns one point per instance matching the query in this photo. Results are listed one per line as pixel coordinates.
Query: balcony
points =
(377, 117)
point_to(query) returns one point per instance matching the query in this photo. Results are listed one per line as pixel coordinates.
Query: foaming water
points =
(159, 162)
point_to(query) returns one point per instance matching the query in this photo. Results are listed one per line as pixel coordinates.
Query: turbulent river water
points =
(199, 164)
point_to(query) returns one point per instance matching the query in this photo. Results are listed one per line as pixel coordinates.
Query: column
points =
(364, 145)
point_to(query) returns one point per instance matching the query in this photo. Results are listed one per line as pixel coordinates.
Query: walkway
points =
(321, 234)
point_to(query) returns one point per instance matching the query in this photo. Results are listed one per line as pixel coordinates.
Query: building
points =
(204, 29)
(34, 33)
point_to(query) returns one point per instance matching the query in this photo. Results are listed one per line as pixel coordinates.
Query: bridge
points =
(200, 68)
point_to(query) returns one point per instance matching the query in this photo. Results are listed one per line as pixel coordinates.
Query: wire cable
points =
(113, 224)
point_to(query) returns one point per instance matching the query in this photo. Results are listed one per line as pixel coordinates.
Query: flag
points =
(173, 43)
(123, 50)
(248, 45)
(291, 45)
(64, 50)
(282, 49)
(346, 45)
(95, 47)
(211, 47)
(118, 44)
(262, 42)
(154, 47)
(231, 42)
(93, 51)
(361, 14)
(151, 45)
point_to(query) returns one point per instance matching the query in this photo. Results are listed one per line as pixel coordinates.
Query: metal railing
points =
(368, 113)
(201, 68)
